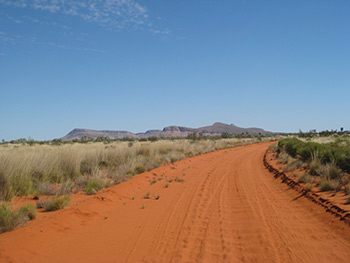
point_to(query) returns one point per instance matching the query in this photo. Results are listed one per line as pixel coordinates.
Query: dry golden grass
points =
(45, 169)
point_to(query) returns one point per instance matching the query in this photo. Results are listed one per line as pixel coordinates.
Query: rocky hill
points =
(170, 131)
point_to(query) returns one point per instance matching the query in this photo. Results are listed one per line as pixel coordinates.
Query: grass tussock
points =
(94, 185)
(305, 178)
(308, 187)
(10, 219)
(59, 169)
(53, 204)
(329, 185)
(28, 210)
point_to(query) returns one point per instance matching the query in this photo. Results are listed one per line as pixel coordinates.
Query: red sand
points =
(229, 209)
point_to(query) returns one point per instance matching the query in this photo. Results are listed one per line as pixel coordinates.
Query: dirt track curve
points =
(228, 209)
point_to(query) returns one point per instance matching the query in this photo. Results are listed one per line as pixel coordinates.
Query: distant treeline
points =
(326, 133)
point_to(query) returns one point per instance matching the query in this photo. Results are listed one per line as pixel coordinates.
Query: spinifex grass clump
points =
(28, 210)
(53, 204)
(94, 185)
(10, 219)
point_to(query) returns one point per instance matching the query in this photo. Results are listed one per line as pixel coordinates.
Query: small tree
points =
(56, 142)
(87, 138)
(192, 136)
(226, 134)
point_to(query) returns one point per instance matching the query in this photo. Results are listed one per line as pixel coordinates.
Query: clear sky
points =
(138, 65)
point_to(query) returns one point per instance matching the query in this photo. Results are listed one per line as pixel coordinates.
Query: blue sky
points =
(138, 65)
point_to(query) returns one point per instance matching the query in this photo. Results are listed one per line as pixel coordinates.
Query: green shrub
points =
(327, 153)
(54, 203)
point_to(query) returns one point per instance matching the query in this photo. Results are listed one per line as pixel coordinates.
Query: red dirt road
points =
(228, 209)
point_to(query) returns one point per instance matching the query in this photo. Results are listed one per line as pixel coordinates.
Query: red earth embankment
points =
(228, 209)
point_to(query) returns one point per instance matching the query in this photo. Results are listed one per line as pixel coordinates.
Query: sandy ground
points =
(228, 209)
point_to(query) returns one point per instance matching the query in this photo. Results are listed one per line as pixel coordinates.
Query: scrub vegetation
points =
(56, 168)
(327, 165)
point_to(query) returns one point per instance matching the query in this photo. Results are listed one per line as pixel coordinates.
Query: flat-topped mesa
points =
(79, 133)
(177, 129)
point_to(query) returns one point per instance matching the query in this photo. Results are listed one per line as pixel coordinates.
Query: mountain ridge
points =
(170, 131)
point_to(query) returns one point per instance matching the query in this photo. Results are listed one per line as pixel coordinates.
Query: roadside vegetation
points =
(60, 168)
(10, 219)
(325, 165)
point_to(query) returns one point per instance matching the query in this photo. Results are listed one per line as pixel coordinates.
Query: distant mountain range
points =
(170, 131)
